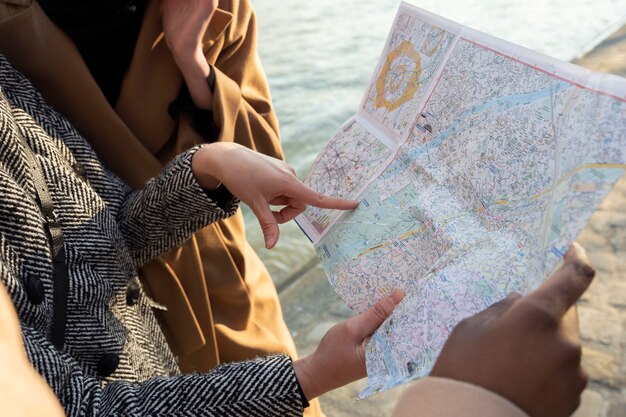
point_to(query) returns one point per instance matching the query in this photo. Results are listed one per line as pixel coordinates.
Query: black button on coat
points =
(108, 364)
(34, 289)
(132, 294)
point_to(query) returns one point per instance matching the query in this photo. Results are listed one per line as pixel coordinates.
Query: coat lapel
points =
(139, 125)
(153, 81)
(40, 50)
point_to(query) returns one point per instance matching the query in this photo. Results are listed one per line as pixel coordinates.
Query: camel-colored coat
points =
(221, 303)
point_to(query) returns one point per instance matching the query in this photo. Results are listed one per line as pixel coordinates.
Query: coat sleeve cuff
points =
(220, 197)
(433, 396)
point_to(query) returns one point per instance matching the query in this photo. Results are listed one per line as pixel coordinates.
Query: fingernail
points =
(269, 241)
(397, 296)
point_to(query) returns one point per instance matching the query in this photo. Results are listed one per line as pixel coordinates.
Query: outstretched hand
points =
(260, 181)
(527, 349)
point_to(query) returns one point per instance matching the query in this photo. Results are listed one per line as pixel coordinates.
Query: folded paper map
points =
(476, 163)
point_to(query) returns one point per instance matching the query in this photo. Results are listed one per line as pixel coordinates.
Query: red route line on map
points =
(509, 57)
(623, 100)
(516, 60)
(395, 154)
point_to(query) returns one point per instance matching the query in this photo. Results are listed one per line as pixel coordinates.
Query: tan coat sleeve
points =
(242, 105)
(442, 397)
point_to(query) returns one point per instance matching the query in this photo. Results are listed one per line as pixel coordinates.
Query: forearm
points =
(447, 397)
(170, 208)
(229, 390)
(233, 389)
(184, 25)
(195, 70)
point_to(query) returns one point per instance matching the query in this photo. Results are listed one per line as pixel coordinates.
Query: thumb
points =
(268, 223)
(564, 287)
(367, 322)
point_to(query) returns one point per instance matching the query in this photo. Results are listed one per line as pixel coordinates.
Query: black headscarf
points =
(105, 32)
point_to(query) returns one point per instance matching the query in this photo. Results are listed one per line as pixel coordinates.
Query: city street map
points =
(476, 163)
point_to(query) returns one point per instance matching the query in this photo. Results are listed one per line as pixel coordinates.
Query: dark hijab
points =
(105, 32)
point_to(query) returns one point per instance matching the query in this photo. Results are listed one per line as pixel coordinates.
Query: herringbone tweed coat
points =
(115, 360)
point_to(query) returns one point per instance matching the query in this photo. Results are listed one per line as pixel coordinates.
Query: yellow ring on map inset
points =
(404, 50)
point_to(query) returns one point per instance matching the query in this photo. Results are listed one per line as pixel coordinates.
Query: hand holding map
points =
(477, 162)
(539, 330)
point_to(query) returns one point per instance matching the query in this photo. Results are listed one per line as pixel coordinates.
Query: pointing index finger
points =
(317, 199)
(567, 284)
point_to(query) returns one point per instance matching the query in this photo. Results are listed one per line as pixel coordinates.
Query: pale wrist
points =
(306, 377)
(205, 166)
(195, 70)
(313, 376)
(189, 58)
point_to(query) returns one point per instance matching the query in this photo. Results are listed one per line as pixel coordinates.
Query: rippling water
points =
(319, 56)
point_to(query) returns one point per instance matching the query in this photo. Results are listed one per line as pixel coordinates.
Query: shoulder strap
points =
(55, 238)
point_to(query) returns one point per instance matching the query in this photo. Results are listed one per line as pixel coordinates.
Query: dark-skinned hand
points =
(527, 349)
